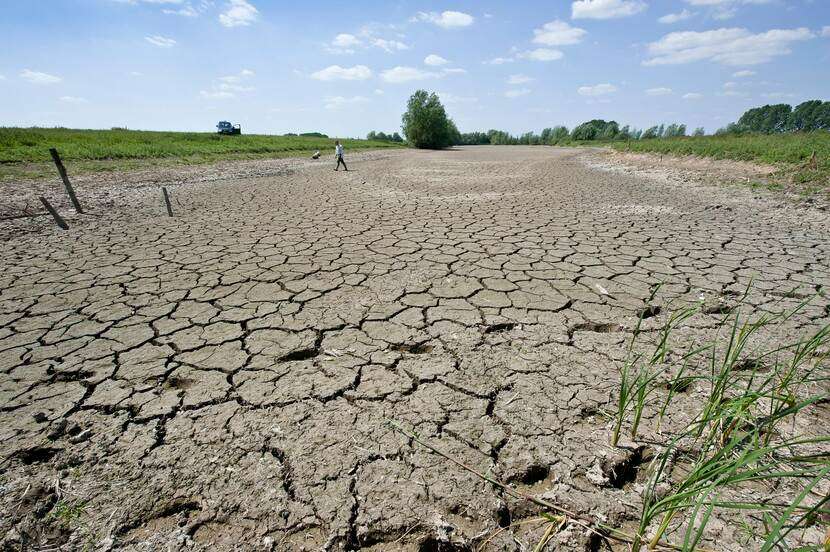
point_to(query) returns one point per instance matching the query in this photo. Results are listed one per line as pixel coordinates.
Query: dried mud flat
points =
(224, 379)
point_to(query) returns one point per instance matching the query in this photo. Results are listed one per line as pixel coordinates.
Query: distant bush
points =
(314, 135)
(596, 129)
(383, 137)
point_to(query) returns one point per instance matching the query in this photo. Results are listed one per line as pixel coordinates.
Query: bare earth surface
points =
(224, 379)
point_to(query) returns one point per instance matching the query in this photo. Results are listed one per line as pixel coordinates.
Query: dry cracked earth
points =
(224, 379)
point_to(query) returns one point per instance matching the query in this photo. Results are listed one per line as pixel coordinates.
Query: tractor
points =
(224, 127)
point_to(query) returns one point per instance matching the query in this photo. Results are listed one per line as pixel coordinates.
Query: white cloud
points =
(2, 77)
(448, 98)
(36, 77)
(692, 96)
(186, 11)
(517, 93)
(725, 9)
(336, 102)
(398, 75)
(778, 95)
(597, 90)
(606, 9)
(447, 19)
(346, 43)
(743, 74)
(661, 91)
(733, 46)
(726, 2)
(335, 72)
(558, 33)
(72, 100)
(825, 31)
(389, 45)
(379, 92)
(232, 82)
(345, 40)
(541, 54)
(135, 74)
(160, 41)
(435, 60)
(134, 2)
(676, 17)
(498, 61)
(519, 79)
(216, 95)
(239, 13)
(228, 86)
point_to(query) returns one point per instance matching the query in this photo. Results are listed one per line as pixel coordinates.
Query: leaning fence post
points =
(62, 170)
(167, 201)
(60, 222)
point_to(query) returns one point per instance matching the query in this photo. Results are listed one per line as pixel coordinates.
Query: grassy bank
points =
(24, 152)
(791, 152)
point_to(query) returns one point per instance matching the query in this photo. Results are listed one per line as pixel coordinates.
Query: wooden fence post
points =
(67, 184)
(167, 201)
(60, 222)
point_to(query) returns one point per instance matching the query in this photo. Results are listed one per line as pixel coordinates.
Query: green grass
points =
(743, 433)
(789, 152)
(24, 152)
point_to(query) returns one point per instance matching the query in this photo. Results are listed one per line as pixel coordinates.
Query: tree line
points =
(427, 125)
(595, 130)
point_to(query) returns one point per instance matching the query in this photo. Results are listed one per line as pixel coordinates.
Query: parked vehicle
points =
(224, 127)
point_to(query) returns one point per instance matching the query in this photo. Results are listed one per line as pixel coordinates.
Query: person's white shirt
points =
(338, 149)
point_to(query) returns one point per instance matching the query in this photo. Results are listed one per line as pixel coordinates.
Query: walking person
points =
(338, 153)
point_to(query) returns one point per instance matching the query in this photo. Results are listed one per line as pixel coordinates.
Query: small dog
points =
(316, 155)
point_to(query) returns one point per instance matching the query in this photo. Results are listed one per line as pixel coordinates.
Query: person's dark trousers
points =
(339, 162)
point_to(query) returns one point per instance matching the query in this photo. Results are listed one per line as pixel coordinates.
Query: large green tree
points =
(768, 118)
(425, 123)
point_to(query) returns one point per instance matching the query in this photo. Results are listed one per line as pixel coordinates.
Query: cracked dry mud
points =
(223, 379)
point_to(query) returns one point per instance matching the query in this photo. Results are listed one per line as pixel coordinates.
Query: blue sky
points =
(345, 68)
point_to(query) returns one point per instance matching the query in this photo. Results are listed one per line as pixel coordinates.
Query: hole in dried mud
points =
(680, 385)
(302, 354)
(503, 515)
(73, 376)
(596, 327)
(37, 455)
(532, 475)
(595, 543)
(499, 328)
(414, 349)
(178, 383)
(749, 365)
(649, 311)
(717, 309)
(624, 470)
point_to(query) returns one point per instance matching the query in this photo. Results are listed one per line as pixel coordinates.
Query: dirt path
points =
(225, 377)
